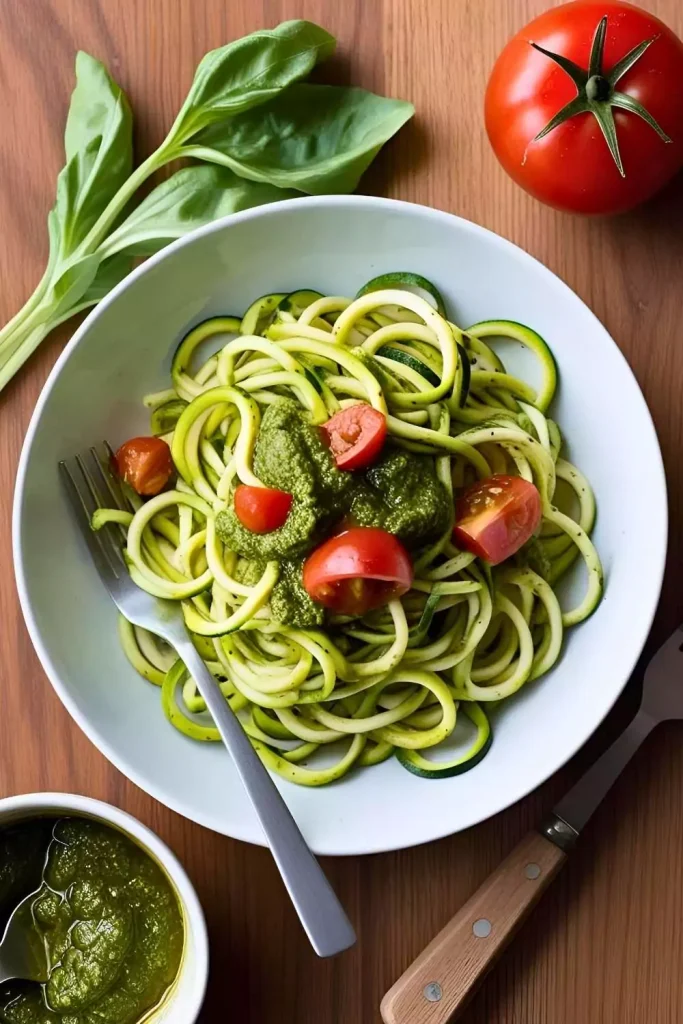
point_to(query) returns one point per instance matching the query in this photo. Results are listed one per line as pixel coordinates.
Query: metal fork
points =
(91, 485)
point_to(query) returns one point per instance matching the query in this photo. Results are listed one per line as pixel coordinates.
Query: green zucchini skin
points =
(165, 417)
(296, 302)
(196, 335)
(418, 765)
(399, 356)
(260, 313)
(405, 279)
(534, 342)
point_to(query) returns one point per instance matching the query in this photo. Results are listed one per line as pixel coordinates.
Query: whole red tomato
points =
(619, 137)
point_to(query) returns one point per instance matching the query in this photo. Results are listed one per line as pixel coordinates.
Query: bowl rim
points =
(28, 805)
(659, 539)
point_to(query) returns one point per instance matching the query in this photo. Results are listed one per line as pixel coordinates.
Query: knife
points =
(445, 975)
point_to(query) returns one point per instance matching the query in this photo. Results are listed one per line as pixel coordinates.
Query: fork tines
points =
(91, 485)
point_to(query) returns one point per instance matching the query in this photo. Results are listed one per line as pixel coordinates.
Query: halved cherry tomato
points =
(145, 464)
(261, 509)
(494, 517)
(357, 570)
(355, 435)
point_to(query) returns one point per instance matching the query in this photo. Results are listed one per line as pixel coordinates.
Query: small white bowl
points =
(184, 1001)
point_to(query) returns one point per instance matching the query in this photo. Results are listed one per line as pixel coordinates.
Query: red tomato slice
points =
(495, 517)
(261, 509)
(357, 570)
(145, 464)
(355, 435)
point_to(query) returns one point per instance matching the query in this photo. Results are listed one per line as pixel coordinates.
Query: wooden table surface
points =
(606, 943)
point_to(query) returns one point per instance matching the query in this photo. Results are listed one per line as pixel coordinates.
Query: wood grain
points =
(606, 943)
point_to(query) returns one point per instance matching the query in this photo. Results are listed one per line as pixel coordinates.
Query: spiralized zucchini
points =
(316, 702)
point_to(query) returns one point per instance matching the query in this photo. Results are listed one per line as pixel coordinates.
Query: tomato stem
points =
(598, 88)
(596, 93)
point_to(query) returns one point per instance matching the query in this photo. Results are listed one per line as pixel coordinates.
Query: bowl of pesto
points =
(119, 922)
(337, 413)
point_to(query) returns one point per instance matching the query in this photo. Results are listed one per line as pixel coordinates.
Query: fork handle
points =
(320, 912)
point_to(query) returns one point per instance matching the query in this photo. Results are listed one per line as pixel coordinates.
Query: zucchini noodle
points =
(316, 702)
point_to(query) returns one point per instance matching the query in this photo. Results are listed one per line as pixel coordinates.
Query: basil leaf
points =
(110, 272)
(99, 151)
(317, 138)
(97, 106)
(248, 72)
(71, 284)
(191, 198)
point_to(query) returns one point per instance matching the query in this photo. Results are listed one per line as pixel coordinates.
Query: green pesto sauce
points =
(400, 493)
(107, 915)
(290, 456)
(289, 601)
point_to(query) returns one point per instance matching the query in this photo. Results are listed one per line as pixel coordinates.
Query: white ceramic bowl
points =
(335, 244)
(184, 1001)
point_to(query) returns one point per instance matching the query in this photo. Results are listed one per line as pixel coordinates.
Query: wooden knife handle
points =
(437, 985)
